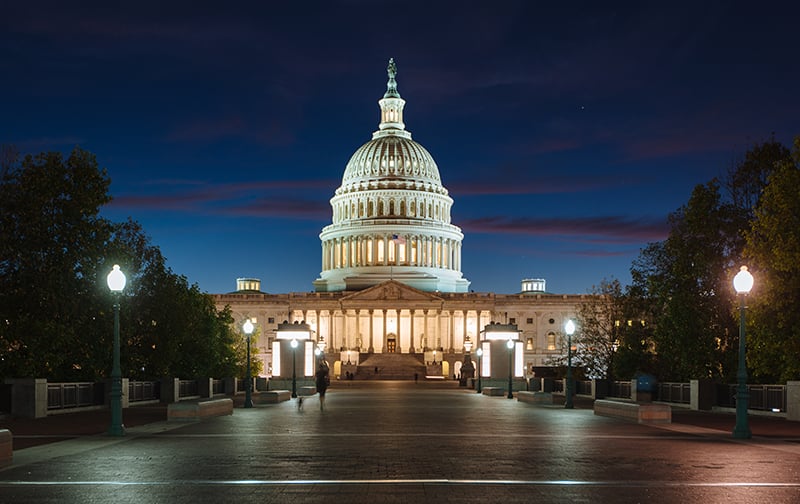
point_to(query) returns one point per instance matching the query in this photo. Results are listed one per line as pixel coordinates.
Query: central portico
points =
(392, 317)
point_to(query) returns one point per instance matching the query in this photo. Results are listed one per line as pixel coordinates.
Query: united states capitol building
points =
(391, 296)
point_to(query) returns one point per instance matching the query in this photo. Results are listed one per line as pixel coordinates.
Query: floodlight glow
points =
(743, 281)
(116, 279)
(248, 327)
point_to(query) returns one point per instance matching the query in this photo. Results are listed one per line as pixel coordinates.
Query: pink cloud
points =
(611, 229)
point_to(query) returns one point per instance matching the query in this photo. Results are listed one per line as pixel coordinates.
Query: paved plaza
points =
(384, 442)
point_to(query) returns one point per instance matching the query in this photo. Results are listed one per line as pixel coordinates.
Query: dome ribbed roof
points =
(391, 158)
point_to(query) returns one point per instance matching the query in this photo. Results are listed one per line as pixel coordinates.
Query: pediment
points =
(391, 290)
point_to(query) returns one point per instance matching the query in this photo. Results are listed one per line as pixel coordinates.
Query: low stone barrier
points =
(535, 397)
(274, 396)
(493, 391)
(6, 448)
(641, 413)
(194, 411)
(306, 391)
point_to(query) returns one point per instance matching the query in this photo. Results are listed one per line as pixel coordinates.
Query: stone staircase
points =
(390, 366)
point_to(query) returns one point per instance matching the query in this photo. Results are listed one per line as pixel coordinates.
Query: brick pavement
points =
(401, 443)
(58, 427)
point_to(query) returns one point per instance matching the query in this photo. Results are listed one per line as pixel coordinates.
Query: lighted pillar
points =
(569, 329)
(294, 368)
(742, 282)
(116, 282)
(248, 397)
(510, 346)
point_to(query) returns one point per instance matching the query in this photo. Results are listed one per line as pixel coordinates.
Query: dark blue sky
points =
(565, 134)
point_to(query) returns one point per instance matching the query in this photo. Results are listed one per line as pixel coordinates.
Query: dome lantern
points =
(392, 108)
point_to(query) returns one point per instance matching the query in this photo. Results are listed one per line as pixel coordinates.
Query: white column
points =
(412, 312)
(451, 326)
(383, 345)
(334, 342)
(358, 330)
(371, 327)
(430, 342)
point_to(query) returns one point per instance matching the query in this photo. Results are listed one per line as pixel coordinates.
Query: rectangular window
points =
(271, 320)
(529, 321)
(512, 320)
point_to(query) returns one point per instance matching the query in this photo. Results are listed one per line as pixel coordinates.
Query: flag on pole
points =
(398, 239)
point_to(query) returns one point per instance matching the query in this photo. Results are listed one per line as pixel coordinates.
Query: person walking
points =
(322, 382)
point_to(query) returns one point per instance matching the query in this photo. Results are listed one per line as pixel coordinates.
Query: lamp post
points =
(479, 353)
(510, 345)
(467, 368)
(742, 282)
(116, 282)
(248, 397)
(569, 328)
(294, 368)
(321, 347)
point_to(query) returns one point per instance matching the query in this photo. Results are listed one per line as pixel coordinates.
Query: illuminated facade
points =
(391, 281)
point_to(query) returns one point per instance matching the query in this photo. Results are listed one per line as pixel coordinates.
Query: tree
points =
(598, 321)
(746, 180)
(50, 237)
(684, 280)
(636, 348)
(55, 253)
(773, 246)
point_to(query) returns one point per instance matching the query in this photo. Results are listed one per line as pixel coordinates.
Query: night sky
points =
(565, 134)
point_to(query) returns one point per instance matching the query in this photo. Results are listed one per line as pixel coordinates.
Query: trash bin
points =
(645, 387)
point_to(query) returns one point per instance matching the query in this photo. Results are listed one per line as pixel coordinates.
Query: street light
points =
(248, 398)
(479, 353)
(742, 282)
(569, 328)
(294, 368)
(116, 282)
(467, 367)
(319, 352)
(510, 345)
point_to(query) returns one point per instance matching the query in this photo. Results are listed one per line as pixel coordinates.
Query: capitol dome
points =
(391, 215)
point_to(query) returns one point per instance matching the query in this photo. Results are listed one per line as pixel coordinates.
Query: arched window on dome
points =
(391, 207)
(402, 208)
(412, 205)
(380, 208)
(360, 209)
(381, 251)
(392, 249)
(370, 208)
(430, 210)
